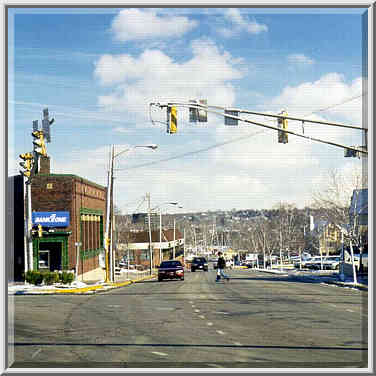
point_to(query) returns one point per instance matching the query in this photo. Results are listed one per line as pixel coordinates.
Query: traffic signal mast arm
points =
(207, 108)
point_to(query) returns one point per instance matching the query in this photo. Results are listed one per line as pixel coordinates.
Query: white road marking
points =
(36, 353)
(220, 332)
(201, 316)
(191, 302)
(333, 305)
(349, 310)
(214, 365)
(197, 310)
(159, 353)
(210, 323)
(238, 344)
(223, 313)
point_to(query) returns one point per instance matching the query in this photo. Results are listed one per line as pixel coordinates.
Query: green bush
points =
(50, 278)
(66, 278)
(34, 276)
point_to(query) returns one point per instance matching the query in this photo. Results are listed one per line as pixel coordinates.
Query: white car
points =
(229, 264)
(331, 262)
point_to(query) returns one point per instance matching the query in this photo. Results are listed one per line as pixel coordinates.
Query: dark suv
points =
(199, 263)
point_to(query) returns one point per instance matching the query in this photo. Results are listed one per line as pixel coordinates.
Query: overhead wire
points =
(226, 142)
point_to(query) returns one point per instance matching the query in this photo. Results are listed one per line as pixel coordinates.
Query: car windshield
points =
(170, 264)
(199, 259)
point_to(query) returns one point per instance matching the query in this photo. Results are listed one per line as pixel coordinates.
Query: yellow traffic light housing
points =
(39, 143)
(282, 123)
(173, 120)
(27, 164)
(40, 231)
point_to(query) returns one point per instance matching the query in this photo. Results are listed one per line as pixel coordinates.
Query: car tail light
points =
(179, 272)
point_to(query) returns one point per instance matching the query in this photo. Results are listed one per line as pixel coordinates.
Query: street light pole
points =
(149, 225)
(173, 254)
(160, 236)
(110, 271)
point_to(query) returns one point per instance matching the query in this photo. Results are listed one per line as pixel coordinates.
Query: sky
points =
(97, 71)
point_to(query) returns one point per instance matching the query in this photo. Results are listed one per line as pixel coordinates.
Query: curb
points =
(359, 286)
(83, 290)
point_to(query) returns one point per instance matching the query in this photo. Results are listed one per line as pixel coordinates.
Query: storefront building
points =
(71, 211)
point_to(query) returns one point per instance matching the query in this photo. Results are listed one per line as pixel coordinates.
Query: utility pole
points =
(108, 216)
(29, 226)
(173, 254)
(149, 225)
(160, 236)
(184, 246)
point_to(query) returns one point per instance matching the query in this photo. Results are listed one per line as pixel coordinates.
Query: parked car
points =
(313, 263)
(331, 262)
(171, 269)
(199, 263)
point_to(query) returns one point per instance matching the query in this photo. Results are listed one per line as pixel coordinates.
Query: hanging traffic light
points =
(202, 113)
(282, 123)
(39, 144)
(27, 164)
(193, 112)
(172, 125)
(349, 153)
(229, 120)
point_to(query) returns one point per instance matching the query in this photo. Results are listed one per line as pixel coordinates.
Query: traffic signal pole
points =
(29, 226)
(26, 225)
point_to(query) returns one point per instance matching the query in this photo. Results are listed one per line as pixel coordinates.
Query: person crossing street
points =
(221, 265)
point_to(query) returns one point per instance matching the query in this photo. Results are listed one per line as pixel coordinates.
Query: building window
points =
(91, 231)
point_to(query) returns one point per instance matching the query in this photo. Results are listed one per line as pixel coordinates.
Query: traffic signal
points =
(27, 164)
(40, 231)
(173, 120)
(282, 123)
(231, 121)
(351, 153)
(39, 144)
(193, 112)
(202, 113)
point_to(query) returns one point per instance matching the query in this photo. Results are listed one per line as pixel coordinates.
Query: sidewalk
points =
(87, 283)
(323, 277)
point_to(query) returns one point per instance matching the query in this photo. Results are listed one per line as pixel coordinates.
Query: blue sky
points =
(97, 70)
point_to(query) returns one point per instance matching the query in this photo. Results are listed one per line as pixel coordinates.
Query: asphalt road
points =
(256, 320)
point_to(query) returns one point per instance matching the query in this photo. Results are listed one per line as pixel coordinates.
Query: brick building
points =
(71, 210)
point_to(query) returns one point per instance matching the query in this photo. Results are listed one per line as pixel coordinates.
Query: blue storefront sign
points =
(51, 219)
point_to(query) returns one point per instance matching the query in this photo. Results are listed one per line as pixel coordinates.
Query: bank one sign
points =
(51, 219)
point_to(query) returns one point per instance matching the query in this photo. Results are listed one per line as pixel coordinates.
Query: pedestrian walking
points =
(221, 265)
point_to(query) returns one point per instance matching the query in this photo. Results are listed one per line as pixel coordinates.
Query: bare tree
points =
(334, 197)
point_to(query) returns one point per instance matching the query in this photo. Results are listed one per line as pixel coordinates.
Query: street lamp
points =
(110, 195)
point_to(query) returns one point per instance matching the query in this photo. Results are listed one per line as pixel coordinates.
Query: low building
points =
(138, 243)
(71, 211)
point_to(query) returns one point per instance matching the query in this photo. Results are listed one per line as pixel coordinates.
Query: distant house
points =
(138, 246)
(358, 212)
(329, 239)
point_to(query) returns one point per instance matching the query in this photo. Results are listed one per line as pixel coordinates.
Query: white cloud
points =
(137, 24)
(154, 76)
(300, 59)
(240, 23)
(330, 94)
